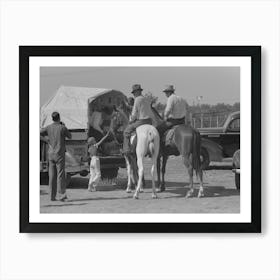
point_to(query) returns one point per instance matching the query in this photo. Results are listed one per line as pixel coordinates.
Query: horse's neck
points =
(125, 117)
(157, 120)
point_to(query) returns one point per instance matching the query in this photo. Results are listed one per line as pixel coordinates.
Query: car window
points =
(234, 125)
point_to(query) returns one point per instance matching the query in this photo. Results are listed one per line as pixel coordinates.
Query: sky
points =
(214, 84)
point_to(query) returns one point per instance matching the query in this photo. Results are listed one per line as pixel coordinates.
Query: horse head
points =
(119, 120)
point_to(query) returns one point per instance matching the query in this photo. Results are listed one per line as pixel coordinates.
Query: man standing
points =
(175, 111)
(56, 133)
(141, 114)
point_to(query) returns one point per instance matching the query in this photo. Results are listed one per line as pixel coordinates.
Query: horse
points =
(97, 122)
(185, 142)
(147, 142)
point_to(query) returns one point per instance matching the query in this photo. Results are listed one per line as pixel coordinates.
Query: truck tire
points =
(204, 157)
(44, 178)
(237, 181)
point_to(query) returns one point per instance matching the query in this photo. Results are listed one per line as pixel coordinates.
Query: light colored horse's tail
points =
(152, 138)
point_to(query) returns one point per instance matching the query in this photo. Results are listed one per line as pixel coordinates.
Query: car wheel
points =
(237, 181)
(44, 178)
(236, 165)
(204, 158)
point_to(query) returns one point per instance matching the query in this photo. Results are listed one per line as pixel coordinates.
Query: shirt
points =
(176, 107)
(56, 133)
(141, 108)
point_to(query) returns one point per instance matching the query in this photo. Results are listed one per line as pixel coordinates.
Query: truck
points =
(220, 142)
(76, 105)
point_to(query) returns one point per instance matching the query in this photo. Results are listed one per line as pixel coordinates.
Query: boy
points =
(95, 173)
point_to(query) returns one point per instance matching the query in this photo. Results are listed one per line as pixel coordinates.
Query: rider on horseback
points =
(141, 114)
(175, 111)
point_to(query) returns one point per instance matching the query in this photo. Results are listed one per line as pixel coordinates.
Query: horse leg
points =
(154, 159)
(143, 184)
(140, 174)
(158, 173)
(163, 168)
(129, 175)
(187, 159)
(134, 171)
(201, 190)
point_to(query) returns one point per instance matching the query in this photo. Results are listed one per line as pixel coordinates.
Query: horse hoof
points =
(157, 189)
(188, 195)
(200, 194)
(154, 196)
(135, 196)
(141, 190)
(128, 190)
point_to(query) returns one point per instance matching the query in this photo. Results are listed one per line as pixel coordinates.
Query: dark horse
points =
(185, 142)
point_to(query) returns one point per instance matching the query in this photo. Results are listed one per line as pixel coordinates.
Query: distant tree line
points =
(201, 115)
(198, 109)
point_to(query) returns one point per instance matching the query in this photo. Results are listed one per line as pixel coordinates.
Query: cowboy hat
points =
(169, 88)
(136, 87)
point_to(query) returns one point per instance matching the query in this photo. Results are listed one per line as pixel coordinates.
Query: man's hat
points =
(136, 87)
(169, 88)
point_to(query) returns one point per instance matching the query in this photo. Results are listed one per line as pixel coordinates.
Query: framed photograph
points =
(140, 139)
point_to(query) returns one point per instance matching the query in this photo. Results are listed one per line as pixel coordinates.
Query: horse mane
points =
(158, 118)
(155, 111)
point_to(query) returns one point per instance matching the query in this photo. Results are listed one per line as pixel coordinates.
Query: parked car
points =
(236, 168)
(220, 142)
(75, 105)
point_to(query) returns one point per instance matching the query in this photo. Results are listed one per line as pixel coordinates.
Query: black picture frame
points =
(254, 52)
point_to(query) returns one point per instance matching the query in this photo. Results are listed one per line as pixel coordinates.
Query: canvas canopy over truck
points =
(75, 106)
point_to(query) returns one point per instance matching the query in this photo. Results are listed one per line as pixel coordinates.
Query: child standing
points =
(95, 173)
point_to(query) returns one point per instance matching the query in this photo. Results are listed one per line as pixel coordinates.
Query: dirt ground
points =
(221, 195)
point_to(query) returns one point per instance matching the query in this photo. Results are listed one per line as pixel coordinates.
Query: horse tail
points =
(196, 151)
(153, 141)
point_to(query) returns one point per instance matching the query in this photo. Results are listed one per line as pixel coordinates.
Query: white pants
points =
(95, 173)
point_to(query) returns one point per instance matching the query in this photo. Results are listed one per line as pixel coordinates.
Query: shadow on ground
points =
(175, 188)
(181, 189)
(63, 205)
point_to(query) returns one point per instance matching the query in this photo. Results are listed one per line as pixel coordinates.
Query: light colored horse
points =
(147, 144)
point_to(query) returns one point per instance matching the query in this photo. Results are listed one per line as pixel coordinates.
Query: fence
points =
(205, 120)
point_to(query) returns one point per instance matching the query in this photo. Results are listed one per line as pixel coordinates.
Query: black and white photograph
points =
(143, 137)
(139, 140)
(94, 161)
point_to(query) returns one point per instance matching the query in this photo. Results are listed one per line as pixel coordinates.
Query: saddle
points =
(168, 137)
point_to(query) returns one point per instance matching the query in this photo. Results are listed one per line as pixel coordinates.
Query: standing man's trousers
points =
(57, 182)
